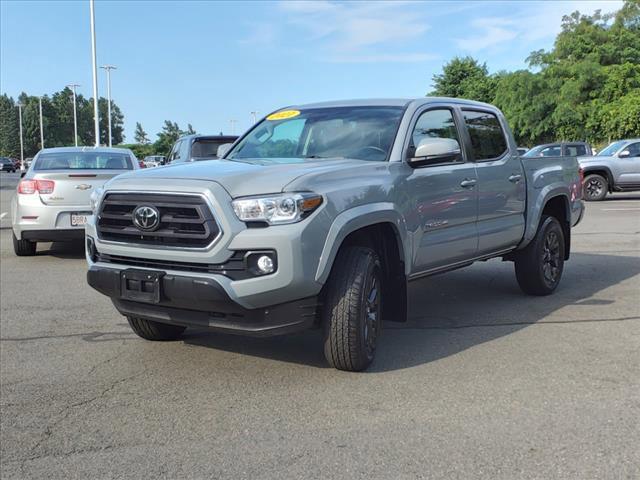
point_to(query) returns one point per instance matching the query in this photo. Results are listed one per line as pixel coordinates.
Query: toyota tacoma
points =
(320, 215)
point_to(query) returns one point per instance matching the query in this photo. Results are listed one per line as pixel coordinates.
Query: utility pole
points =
(232, 123)
(108, 68)
(41, 123)
(19, 105)
(96, 120)
(75, 113)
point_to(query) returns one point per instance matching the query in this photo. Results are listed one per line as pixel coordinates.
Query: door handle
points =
(468, 183)
(515, 178)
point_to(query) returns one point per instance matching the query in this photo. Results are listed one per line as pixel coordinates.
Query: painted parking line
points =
(619, 209)
(3, 214)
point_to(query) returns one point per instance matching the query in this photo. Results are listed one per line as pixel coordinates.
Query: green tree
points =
(167, 137)
(117, 122)
(9, 134)
(465, 78)
(140, 136)
(585, 88)
(190, 130)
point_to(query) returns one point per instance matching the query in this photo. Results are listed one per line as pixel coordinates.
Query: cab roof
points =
(389, 102)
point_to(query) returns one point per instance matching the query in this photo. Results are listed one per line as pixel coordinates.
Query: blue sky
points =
(208, 62)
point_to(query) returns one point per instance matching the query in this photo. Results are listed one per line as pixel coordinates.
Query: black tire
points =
(352, 312)
(156, 331)
(539, 266)
(594, 188)
(24, 248)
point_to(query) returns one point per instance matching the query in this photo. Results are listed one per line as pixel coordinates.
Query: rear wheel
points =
(24, 248)
(595, 187)
(539, 266)
(352, 313)
(150, 330)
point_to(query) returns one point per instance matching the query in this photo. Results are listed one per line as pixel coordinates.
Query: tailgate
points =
(74, 188)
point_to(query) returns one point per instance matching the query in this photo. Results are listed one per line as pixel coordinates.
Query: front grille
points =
(185, 220)
(235, 264)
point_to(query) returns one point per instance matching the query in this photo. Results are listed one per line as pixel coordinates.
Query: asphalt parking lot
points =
(482, 382)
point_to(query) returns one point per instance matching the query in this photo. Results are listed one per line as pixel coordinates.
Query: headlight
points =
(94, 199)
(276, 209)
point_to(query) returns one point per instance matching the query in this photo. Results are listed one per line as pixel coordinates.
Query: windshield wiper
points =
(320, 156)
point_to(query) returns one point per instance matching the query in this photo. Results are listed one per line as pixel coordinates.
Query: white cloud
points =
(359, 31)
(494, 31)
(527, 23)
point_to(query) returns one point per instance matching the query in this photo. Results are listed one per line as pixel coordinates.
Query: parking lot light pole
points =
(96, 118)
(19, 105)
(108, 68)
(41, 123)
(254, 115)
(73, 86)
(232, 124)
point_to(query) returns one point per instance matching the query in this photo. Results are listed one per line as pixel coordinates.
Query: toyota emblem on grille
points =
(146, 218)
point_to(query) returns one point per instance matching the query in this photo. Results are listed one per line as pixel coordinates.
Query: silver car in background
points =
(52, 200)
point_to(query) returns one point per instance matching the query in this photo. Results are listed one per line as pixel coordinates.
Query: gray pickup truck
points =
(616, 168)
(321, 214)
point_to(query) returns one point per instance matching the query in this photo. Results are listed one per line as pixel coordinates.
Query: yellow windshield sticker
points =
(283, 115)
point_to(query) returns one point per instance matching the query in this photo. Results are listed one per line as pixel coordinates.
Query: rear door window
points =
(576, 150)
(488, 141)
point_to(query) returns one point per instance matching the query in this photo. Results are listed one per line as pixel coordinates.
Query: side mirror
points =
(624, 154)
(434, 150)
(223, 149)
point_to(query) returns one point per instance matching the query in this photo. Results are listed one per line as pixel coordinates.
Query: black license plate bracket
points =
(141, 285)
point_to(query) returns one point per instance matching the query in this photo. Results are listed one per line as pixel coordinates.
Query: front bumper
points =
(194, 301)
(297, 247)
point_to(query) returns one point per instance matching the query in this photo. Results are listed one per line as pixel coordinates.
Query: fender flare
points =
(546, 194)
(354, 219)
(597, 168)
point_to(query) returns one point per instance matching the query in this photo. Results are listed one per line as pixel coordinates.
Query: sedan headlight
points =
(94, 199)
(277, 209)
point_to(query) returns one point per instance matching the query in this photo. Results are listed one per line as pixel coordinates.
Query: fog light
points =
(265, 264)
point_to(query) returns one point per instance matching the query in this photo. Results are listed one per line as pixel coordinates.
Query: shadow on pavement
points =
(613, 197)
(452, 312)
(73, 249)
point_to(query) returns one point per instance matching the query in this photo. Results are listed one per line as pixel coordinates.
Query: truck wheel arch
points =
(603, 171)
(376, 227)
(557, 205)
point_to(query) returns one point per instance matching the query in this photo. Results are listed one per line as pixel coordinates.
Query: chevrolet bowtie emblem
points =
(83, 186)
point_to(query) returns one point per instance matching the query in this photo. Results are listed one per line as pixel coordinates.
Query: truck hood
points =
(594, 159)
(238, 178)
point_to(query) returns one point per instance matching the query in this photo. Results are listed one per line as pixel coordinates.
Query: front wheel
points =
(352, 313)
(540, 264)
(595, 188)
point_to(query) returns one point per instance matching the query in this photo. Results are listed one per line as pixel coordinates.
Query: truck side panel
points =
(547, 178)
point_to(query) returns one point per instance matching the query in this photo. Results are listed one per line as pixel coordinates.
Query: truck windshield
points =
(363, 133)
(609, 150)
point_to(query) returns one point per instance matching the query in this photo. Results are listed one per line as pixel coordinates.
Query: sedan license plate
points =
(79, 219)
